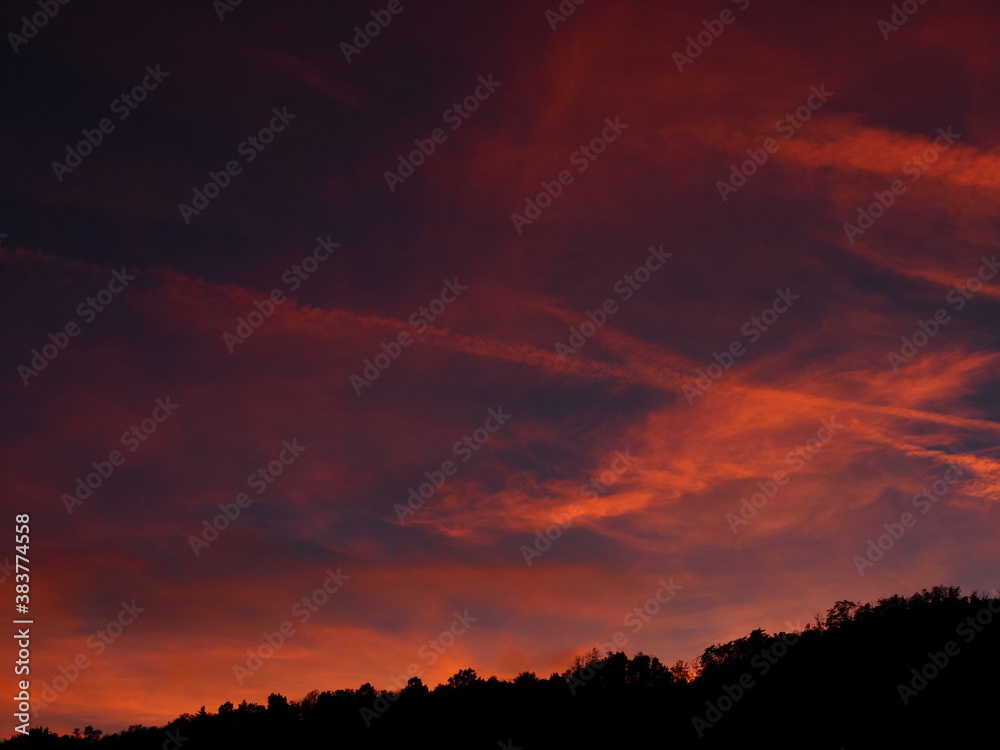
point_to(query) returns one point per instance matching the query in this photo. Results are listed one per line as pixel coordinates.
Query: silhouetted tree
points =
(681, 671)
(526, 680)
(872, 675)
(464, 679)
(416, 686)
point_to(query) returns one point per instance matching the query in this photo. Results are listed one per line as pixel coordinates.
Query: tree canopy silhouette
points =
(918, 670)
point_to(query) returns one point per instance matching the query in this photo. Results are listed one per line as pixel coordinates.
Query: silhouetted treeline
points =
(918, 672)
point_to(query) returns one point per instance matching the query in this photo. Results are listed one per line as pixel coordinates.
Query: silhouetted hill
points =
(917, 672)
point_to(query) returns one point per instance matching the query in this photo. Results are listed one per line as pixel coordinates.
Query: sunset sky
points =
(598, 282)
